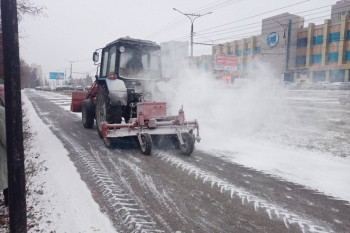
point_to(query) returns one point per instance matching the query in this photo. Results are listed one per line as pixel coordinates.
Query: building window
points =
(347, 55)
(302, 42)
(300, 60)
(333, 57)
(319, 76)
(334, 37)
(316, 58)
(336, 75)
(348, 35)
(238, 53)
(257, 50)
(248, 51)
(318, 40)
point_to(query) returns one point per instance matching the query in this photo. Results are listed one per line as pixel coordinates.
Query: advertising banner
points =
(225, 62)
(56, 75)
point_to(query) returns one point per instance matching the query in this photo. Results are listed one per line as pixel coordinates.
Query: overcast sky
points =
(72, 30)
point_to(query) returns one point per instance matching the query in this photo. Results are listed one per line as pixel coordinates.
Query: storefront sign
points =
(225, 62)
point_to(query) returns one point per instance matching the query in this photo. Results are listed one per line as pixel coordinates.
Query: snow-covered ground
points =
(59, 199)
(243, 128)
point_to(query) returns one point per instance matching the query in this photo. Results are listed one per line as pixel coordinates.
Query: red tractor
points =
(121, 99)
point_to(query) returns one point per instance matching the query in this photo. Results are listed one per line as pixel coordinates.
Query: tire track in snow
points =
(147, 182)
(134, 218)
(125, 206)
(274, 211)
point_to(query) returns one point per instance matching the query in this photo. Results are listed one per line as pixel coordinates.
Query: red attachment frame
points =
(150, 110)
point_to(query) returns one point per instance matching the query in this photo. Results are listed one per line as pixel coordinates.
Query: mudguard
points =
(117, 92)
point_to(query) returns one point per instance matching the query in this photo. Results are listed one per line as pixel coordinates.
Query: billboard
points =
(56, 75)
(225, 62)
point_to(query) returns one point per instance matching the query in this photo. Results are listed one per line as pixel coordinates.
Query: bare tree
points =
(27, 7)
(24, 7)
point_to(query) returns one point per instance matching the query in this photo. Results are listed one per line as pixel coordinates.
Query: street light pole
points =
(192, 17)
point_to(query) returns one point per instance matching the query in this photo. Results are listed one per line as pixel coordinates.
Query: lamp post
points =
(192, 17)
(287, 40)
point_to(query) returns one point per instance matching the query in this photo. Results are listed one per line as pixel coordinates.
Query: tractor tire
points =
(188, 146)
(88, 113)
(146, 146)
(105, 112)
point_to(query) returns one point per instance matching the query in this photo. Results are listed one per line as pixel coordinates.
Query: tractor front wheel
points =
(188, 146)
(146, 144)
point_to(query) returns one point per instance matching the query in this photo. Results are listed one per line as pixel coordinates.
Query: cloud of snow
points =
(244, 107)
(248, 120)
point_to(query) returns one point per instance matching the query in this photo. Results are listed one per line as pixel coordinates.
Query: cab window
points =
(112, 59)
(104, 63)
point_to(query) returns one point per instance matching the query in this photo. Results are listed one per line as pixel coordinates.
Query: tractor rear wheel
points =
(105, 112)
(88, 113)
(188, 146)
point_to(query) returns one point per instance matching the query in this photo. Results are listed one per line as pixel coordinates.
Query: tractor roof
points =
(134, 42)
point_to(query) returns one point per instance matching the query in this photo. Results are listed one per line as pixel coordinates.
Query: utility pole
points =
(192, 17)
(13, 109)
(288, 43)
(286, 27)
(71, 68)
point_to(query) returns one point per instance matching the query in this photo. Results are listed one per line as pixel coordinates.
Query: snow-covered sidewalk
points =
(58, 200)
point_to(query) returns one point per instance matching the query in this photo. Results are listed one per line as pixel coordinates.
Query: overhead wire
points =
(272, 23)
(259, 31)
(211, 6)
(198, 33)
(253, 16)
(260, 21)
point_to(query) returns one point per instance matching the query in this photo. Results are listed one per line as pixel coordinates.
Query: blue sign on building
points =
(56, 75)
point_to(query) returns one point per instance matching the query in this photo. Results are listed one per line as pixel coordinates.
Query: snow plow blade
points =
(77, 100)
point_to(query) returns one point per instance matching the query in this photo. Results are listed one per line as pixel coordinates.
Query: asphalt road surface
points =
(170, 192)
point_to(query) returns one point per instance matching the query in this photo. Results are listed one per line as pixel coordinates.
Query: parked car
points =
(79, 88)
(335, 86)
(59, 88)
(345, 86)
(67, 88)
(321, 85)
(39, 88)
(46, 88)
(344, 100)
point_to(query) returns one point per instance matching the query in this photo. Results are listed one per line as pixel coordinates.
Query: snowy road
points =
(208, 191)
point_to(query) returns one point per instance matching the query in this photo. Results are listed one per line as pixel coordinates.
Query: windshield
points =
(139, 64)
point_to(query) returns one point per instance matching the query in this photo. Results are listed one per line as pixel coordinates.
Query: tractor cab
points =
(130, 59)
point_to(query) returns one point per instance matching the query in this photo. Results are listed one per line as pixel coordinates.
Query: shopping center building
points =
(297, 53)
